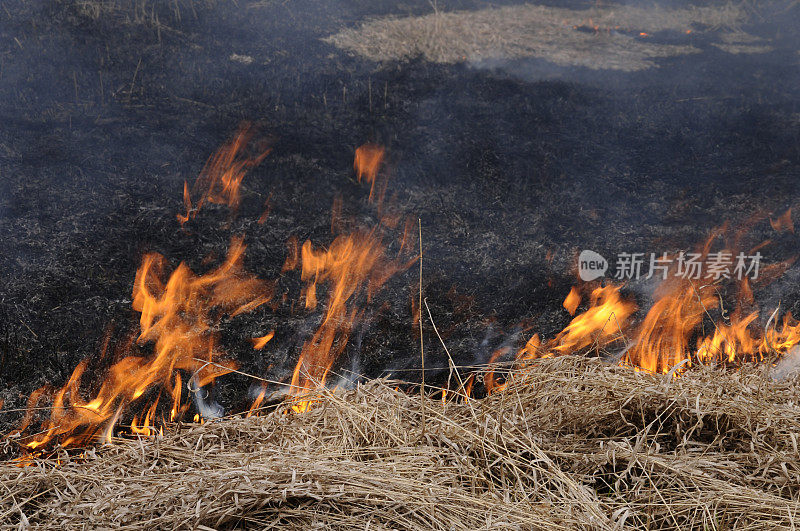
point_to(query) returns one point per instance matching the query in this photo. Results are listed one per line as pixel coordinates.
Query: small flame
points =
(572, 301)
(367, 162)
(220, 179)
(783, 223)
(261, 342)
(490, 380)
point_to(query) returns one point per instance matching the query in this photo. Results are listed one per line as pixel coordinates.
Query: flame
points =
(490, 380)
(176, 317)
(662, 340)
(221, 177)
(572, 301)
(261, 342)
(353, 265)
(681, 314)
(367, 162)
(601, 324)
(663, 337)
(783, 222)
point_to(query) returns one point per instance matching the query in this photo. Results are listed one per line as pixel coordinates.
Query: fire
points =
(490, 380)
(354, 265)
(261, 342)
(663, 338)
(220, 179)
(783, 222)
(176, 317)
(679, 328)
(367, 162)
(600, 325)
(572, 301)
(179, 313)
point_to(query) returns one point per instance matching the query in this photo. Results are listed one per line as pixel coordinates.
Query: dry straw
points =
(571, 443)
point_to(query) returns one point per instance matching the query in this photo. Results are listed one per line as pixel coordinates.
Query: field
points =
(516, 135)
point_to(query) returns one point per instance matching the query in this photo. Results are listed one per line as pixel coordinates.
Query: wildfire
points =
(179, 316)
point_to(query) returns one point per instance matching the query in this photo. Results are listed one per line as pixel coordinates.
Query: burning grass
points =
(570, 442)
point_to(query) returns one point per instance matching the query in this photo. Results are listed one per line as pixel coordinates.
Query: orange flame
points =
(490, 380)
(680, 311)
(600, 325)
(663, 337)
(572, 301)
(175, 316)
(353, 265)
(261, 342)
(367, 162)
(220, 179)
(783, 222)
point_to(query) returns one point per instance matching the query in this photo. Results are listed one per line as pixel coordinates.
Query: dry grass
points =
(606, 36)
(571, 443)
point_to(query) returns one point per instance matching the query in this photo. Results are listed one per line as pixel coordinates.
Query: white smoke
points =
(788, 365)
(206, 406)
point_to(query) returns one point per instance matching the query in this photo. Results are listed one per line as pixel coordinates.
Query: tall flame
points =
(353, 265)
(662, 339)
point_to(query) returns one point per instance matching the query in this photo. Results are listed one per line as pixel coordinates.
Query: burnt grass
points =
(512, 170)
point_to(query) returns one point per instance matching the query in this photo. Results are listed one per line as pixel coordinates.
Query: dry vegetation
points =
(602, 37)
(571, 443)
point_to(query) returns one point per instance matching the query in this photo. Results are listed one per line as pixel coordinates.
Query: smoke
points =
(203, 401)
(788, 365)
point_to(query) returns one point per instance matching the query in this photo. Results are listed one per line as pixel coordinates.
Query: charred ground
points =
(108, 107)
